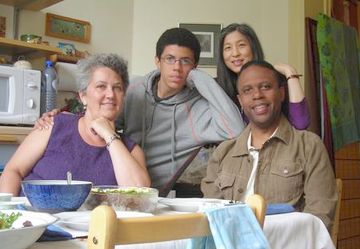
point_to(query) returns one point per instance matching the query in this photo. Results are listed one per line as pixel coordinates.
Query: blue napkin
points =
(231, 227)
(279, 208)
(55, 233)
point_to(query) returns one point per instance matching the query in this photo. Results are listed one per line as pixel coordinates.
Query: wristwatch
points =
(111, 139)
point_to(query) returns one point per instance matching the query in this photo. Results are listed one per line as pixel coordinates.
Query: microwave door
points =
(11, 95)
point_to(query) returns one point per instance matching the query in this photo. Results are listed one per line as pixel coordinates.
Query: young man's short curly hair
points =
(181, 37)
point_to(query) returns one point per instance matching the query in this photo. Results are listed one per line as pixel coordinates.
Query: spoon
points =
(68, 177)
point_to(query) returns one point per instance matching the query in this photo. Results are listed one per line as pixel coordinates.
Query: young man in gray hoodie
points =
(176, 109)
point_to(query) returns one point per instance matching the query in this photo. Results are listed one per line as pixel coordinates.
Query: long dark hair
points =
(225, 77)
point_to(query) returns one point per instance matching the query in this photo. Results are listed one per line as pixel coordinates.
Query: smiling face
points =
(260, 96)
(236, 51)
(173, 76)
(104, 95)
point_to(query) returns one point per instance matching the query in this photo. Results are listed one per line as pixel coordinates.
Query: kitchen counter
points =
(10, 138)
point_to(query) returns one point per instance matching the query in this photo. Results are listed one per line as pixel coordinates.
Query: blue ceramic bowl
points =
(54, 196)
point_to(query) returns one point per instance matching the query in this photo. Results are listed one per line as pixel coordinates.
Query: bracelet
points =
(297, 76)
(111, 139)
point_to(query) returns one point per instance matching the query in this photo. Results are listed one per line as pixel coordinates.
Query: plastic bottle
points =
(49, 87)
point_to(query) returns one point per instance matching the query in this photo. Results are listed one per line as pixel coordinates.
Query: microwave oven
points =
(20, 91)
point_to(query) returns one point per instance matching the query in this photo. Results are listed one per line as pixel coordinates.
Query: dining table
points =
(287, 230)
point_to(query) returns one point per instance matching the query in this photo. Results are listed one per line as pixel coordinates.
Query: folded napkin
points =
(231, 227)
(279, 208)
(55, 233)
(52, 232)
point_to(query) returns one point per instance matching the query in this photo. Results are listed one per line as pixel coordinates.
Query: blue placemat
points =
(279, 208)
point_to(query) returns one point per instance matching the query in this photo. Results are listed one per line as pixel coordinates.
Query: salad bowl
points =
(26, 228)
(141, 199)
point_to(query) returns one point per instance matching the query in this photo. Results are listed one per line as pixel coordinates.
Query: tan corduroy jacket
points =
(293, 168)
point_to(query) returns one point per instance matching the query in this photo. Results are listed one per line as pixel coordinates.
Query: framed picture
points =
(2, 26)
(208, 36)
(67, 28)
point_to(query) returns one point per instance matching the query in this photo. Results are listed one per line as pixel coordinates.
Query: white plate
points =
(80, 220)
(20, 237)
(10, 204)
(80, 223)
(192, 204)
(5, 196)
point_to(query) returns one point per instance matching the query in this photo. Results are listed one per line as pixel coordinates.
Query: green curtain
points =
(340, 70)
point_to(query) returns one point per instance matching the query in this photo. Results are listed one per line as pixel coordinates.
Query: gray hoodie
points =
(169, 130)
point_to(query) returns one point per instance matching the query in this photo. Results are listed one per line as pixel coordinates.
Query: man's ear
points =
(239, 98)
(282, 93)
(237, 88)
(157, 62)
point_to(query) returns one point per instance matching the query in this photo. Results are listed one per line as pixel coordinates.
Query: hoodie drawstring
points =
(173, 129)
(143, 125)
(145, 130)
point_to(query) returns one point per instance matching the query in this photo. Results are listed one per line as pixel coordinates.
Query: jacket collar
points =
(283, 133)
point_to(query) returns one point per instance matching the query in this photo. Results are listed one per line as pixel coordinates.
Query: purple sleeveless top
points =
(67, 151)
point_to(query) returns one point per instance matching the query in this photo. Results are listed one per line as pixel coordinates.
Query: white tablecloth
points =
(296, 230)
(292, 230)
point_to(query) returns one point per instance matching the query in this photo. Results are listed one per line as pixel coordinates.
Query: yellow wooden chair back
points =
(335, 228)
(106, 230)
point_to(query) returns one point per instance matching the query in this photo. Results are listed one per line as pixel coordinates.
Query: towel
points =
(339, 51)
(232, 227)
(279, 208)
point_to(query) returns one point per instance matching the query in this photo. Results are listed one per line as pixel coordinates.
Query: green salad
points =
(6, 220)
(128, 190)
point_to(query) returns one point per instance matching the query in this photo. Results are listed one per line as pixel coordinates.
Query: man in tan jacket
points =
(270, 157)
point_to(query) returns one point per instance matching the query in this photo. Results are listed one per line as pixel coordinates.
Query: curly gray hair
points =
(87, 66)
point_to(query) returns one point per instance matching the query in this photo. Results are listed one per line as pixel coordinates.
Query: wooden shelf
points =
(34, 5)
(29, 50)
(64, 58)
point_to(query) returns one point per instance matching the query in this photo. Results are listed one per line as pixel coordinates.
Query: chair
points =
(106, 230)
(335, 228)
(258, 205)
(164, 191)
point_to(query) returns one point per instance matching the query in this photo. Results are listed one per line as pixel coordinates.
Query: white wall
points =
(151, 18)
(111, 24)
(132, 27)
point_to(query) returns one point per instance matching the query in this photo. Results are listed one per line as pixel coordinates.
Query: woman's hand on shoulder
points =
(295, 90)
(46, 120)
(285, 69)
